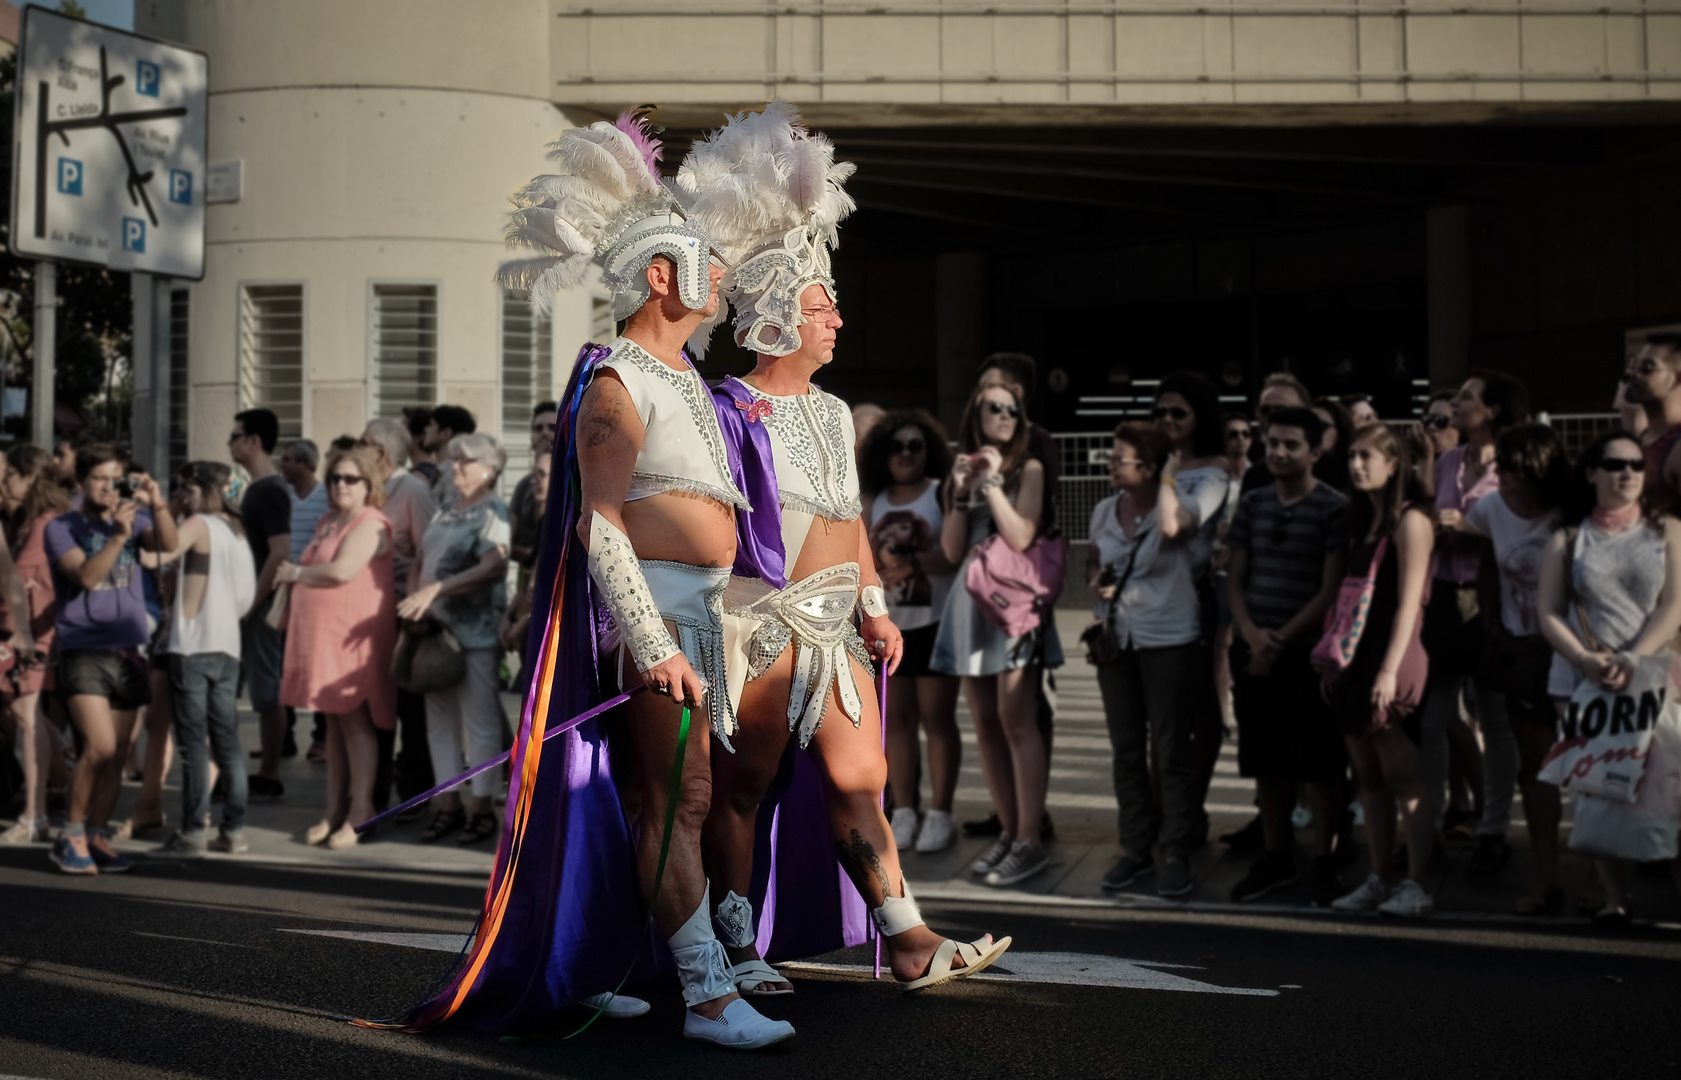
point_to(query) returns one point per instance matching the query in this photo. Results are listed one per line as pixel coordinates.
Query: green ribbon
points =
(671, 793)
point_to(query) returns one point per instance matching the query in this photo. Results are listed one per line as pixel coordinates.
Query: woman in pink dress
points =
(341, 629)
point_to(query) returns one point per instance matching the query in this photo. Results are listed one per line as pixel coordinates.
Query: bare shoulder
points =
(606, 411)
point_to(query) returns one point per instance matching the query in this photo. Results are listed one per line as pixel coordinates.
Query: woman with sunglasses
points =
(1434, 436)
(905, 458)
(1619, 567)
(996, 488)
(342, 627)
(1196, 493)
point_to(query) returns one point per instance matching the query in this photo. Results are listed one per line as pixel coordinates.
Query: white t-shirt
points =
(1518, 546)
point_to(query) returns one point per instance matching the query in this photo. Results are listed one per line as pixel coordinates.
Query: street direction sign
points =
(108, 161)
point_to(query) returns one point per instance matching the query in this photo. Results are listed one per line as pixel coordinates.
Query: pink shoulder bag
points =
(1345, 622)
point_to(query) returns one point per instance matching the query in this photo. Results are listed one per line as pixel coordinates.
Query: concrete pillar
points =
(960, 288)
(1447, 260)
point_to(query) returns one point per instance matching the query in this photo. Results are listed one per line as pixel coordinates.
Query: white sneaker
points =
(992, 856)
(1408, 901)
(616, 1006)
(937, 833)
(739, 1027)
(1367, 897)
(904, 827)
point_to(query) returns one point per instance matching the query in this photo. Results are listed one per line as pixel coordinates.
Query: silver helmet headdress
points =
(605, 204)
(770, 195)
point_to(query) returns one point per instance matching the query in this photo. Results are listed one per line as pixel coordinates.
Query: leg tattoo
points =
(861, 859)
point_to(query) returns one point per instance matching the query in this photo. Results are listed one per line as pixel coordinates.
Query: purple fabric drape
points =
(574, 923)
(758, 551)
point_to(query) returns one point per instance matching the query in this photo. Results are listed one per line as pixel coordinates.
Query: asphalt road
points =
(197, 970)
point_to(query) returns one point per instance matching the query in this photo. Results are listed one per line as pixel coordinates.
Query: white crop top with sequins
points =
(811, 445)
(683, 448)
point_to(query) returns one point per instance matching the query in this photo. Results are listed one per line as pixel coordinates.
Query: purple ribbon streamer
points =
(588, 714)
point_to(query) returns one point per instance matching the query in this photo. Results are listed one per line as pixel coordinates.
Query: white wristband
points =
(617, 573)
(873, 600)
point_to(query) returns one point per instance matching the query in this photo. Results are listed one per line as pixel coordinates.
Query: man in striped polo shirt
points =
(1288, 546)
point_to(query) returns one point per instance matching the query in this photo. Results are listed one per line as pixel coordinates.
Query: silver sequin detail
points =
(624, 592)
(705, 419)
(816, 613)
(811, 429)
(703, 645)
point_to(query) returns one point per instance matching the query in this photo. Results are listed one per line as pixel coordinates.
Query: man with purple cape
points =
(770, 194)
(603, 822)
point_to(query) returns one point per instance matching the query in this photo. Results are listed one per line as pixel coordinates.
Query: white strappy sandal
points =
(977, 957)
(750, 975)
(733, 923)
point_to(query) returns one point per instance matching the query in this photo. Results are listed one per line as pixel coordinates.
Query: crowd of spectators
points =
(1389, 617)
(133, 615)
(1376, 611)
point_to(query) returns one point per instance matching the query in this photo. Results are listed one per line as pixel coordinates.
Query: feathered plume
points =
(606, 175)
(761, 175)
(639, 127)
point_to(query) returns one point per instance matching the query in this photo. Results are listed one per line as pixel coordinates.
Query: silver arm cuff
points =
(873, 599)
(617, 573)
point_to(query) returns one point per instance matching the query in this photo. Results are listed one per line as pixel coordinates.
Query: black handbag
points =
(428, 658)
(1515, 665)
(1102, 647)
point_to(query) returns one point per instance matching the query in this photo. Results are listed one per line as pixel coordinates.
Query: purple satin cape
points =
(563, 917)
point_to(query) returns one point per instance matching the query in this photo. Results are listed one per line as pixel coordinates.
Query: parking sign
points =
(109, 151)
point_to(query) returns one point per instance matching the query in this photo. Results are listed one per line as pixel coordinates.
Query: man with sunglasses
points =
(1653, 381)
(1288, 543)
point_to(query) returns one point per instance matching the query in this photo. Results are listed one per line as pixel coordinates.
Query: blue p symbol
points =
(181, 187)
(69, 176)
(134, 235)
(146, 78)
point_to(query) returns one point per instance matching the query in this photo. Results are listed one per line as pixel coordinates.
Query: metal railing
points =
(1085, 462)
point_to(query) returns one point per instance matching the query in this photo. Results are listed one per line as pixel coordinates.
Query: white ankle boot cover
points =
(734, 921)
(897, 914)
(702, 967)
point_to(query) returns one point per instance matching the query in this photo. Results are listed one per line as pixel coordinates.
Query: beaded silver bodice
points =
(811, 444)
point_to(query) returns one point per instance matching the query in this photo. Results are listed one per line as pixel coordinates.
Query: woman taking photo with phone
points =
(997, 490)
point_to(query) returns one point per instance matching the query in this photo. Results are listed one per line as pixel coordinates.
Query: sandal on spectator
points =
(482, 827)
(444, 822)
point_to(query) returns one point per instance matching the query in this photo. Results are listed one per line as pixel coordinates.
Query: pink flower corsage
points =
(756, 410)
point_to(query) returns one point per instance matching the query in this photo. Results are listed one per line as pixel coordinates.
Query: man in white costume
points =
(769, 193)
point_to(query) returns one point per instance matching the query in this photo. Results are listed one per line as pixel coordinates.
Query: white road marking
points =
(1054, 968)
(450, 943)
(194, 940)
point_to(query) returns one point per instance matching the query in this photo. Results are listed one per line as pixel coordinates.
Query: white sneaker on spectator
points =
(937, 831)
(1367, 897)
(1408, 901)
(904, 827)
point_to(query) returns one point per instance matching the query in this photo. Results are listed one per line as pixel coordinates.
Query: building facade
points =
(1374, 193)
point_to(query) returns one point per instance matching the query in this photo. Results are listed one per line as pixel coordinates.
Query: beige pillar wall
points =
(344, 187)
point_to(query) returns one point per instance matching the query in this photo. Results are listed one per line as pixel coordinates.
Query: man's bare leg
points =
(652, 724)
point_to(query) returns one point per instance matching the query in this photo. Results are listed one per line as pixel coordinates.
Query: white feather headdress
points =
(606, 204)
(770, 195)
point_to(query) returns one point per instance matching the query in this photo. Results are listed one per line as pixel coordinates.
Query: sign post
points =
(45, 344)
(108, 165)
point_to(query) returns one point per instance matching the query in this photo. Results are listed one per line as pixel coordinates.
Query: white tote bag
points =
(1607, 735)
